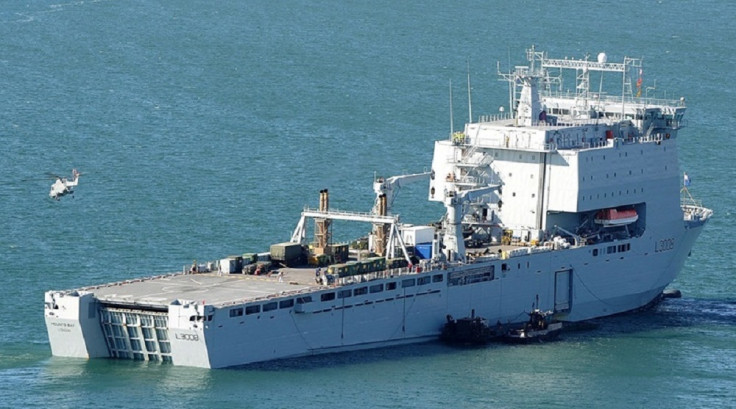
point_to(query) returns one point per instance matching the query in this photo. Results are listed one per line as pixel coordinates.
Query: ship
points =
(569, 196)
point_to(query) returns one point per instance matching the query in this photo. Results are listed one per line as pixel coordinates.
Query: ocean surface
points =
(202, 128)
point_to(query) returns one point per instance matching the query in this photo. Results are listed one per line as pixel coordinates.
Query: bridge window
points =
(360, 291)
(437, 278)
(423, 280)
(408, 283)
(236, 312)
(391, 286)
(469, 277)
(252, 309)
(344, 293)
(270, 306)
(327, 296)
(286, 303)
(377, 288)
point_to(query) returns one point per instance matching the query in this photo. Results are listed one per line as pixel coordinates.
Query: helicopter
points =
(63, 186)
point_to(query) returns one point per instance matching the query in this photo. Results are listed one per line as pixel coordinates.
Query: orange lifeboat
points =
(614, 217)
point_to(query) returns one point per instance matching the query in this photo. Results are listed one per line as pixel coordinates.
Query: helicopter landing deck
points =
(212, 287)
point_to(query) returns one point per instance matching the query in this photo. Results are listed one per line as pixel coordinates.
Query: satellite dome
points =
(602, 58)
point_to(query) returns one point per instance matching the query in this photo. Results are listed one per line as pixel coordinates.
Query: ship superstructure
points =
(570, 200)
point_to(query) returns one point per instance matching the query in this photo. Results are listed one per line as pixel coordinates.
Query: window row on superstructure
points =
(613, 194)
(620, 248)
(236, 312)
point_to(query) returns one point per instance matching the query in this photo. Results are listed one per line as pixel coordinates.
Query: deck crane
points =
(386, 191)
(454, 243)
(389, 188)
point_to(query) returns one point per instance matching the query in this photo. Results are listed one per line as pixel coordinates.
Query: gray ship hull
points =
(578, 286)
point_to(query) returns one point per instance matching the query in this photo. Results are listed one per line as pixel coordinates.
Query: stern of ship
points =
(73, 325)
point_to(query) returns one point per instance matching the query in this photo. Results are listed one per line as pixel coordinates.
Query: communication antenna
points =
(512, 106)
(602, 59)
(452, 125)
(470, 100)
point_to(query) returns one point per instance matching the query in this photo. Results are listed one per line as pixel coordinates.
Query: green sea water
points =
(202, 128)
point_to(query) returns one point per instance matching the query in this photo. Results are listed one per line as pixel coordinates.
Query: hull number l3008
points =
(664, 245)
(187, 337)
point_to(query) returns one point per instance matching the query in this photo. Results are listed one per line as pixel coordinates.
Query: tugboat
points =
(540, 327)
(468, 331)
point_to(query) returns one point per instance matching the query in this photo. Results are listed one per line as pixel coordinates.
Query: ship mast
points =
(470, 100)
(452, 125)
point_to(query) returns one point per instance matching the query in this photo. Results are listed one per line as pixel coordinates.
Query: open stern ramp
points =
(136, 334)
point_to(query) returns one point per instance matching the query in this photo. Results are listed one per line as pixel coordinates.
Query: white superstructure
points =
(571, 200)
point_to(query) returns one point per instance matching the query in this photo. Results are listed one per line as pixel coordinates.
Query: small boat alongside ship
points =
(540, 327)
(470, 330)
(570, 197)
(474, 330)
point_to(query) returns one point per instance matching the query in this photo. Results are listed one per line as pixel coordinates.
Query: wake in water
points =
(669, 313)
(693, 312)
(28, 16)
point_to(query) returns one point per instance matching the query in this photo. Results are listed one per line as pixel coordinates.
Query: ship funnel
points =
(380, 230)
(322, 226)
(324, 200)
(383, 205)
